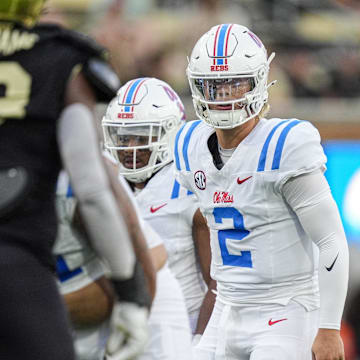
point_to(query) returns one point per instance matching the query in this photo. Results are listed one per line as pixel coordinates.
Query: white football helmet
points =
(140, 125)
(228, 71)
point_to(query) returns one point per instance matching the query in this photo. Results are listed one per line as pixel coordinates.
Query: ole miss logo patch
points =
(222, 197)
(200, 180)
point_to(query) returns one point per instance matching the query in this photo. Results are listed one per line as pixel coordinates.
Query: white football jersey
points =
(77, 264)
(260, 252)
(169, 209)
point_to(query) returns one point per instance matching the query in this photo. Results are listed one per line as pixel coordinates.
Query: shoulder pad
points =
(80, 41)
(293, 148)
(84, 43)
(182, 141)
(103, 79)
(298, 148)
(96, 69)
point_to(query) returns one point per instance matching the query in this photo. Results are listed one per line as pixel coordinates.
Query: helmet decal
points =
(256, 39)
(174, 97)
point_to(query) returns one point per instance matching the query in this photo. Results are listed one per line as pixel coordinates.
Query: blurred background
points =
(317, 65)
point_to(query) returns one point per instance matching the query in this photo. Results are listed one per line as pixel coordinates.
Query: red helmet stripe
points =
(216, 37)
(227, 41)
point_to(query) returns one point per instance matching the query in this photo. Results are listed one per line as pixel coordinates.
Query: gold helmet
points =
(24, 11)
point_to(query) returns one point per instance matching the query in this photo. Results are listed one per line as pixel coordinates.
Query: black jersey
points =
(35, 67)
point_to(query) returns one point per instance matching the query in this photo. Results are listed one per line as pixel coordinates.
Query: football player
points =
(139, 130)
(83, 277)
(279, 252)
(168, 323)
(50, 79)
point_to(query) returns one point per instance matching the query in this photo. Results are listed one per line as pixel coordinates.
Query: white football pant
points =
(170, 335)
(263, 332)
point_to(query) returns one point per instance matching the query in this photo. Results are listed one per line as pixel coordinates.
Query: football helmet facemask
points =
(23, 11)
(228, 71)
(140, 125)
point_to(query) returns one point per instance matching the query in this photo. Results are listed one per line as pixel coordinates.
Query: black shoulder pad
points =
(97, 70)
(103, 78)
(84, 43)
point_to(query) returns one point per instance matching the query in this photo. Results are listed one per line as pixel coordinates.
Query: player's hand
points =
(328, 345)
(128, 331)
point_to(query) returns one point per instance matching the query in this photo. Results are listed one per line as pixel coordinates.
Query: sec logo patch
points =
(200, 180)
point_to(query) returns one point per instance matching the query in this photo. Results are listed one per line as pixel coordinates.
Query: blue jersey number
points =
(238, 233)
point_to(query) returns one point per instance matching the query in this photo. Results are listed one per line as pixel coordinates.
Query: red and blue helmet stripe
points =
(131, 92)
(221, 44)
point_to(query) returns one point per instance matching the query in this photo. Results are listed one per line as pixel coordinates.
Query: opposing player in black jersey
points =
(50, 79)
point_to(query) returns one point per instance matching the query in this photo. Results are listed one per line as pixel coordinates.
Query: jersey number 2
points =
(15, 87)
(238, 233)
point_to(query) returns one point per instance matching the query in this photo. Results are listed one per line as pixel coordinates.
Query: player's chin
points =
(130, 165)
